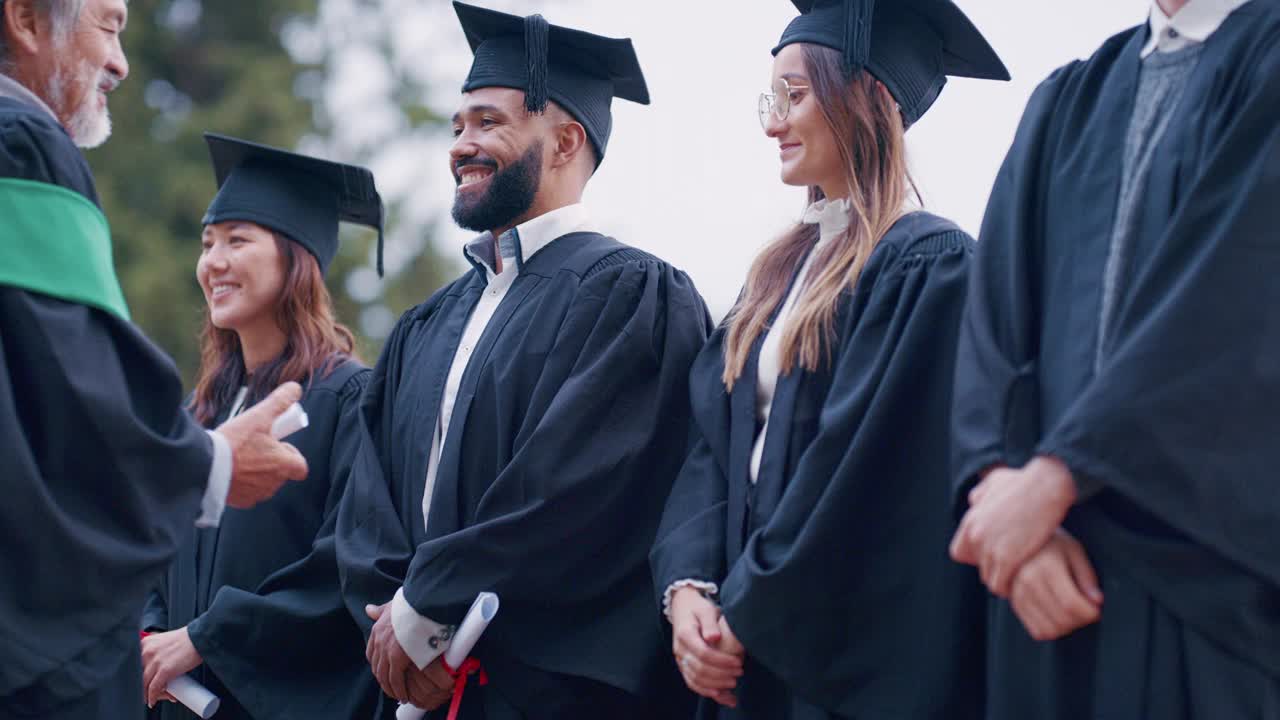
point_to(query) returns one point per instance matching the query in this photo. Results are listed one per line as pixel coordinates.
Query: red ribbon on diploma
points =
(469, 667)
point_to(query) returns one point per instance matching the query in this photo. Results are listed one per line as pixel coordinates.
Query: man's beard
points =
(510, 194)
(87, 125)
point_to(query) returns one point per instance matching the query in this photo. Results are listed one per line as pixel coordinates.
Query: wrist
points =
(1055, 478)
(685, 594)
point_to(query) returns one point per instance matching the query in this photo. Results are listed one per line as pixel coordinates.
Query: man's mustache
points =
(108, 81)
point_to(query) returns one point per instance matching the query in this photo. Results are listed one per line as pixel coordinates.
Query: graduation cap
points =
(909, 45)
(580, 71)
(300, 196)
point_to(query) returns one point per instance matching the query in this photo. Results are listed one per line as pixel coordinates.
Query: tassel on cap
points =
(379, 251)
(857, 32)
(536, 44)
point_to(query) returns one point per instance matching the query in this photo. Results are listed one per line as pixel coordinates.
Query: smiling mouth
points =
(221, 290)
(473, 176)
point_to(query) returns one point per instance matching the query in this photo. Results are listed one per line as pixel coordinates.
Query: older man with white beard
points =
(101, 471)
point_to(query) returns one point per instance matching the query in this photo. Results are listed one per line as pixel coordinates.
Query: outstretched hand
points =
(261, 464)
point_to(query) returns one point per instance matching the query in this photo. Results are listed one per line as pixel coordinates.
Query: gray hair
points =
(62, 16)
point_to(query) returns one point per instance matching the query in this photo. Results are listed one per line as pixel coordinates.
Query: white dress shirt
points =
(415, 632)
(832, 219)
(1193, 24)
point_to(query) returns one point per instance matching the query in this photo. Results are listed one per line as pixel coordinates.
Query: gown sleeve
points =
(996, 416)
(690, 544)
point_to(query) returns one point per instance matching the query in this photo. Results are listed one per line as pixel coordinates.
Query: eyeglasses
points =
(778, 102)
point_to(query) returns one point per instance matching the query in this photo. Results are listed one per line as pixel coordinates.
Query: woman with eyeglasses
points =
(802, 560)
(253, 608)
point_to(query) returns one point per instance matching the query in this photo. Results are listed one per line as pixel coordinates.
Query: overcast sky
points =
(691, 177)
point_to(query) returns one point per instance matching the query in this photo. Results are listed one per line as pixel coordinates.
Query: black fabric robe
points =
(570, 424)
(259, 594)
(1173, 440)
(832, 568)
(102, 474)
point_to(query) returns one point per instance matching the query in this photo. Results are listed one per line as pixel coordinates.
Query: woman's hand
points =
(708, 670)
(1056, 591)
(165, 656)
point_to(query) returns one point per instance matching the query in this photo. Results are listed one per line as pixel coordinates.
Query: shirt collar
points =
(831, 217)
(13, 89)
(525, 240)
(1193, 24)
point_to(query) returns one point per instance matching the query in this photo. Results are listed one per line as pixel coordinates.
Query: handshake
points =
(260, 462)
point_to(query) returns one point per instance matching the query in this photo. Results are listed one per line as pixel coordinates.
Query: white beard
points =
(88, 126)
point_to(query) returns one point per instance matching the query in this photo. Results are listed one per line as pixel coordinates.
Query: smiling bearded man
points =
(524, 425)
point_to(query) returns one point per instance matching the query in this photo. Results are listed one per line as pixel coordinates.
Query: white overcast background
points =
(691, 177)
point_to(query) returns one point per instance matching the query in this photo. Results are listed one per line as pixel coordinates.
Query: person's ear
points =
(571, 141)
(25, 27)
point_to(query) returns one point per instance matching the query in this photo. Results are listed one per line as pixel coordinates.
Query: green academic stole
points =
(54, 241)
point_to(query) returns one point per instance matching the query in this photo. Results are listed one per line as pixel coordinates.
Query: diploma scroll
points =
(290, 421)
(195, 696)
(464, 641)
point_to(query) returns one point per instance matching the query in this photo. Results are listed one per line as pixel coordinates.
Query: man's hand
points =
(1056, 591)
(390, 664)
(1011, 515)
(432, 687)
(708, 670)
(165, 656)
(260, 464)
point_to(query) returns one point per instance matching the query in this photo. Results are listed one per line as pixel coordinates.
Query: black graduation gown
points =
(1173, 440)
(569, 427)
(101, 469)
(832, 568)
(259, 594)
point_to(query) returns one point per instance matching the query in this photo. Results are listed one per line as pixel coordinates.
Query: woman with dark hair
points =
(802, 558)
(254, 606)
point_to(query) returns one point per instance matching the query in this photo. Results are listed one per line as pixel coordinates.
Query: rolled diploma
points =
(289, 422)
(195, 696)
(464, 640)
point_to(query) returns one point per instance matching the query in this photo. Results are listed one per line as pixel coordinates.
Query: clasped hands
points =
(1012, 533)
(709, 656)
(399, 677)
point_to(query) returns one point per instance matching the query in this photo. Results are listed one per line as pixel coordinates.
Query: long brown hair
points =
(870, 137)
(315, 343)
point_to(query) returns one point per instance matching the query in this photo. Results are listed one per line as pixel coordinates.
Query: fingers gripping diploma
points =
(261, 464)
(430, 687)
(1056, 591)
(1012, 514)
(709, 658)
(391, 665)
(165, 656)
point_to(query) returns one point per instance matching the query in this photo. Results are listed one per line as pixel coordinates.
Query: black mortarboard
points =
(580, 71)
(300, 196)
(909, 45)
